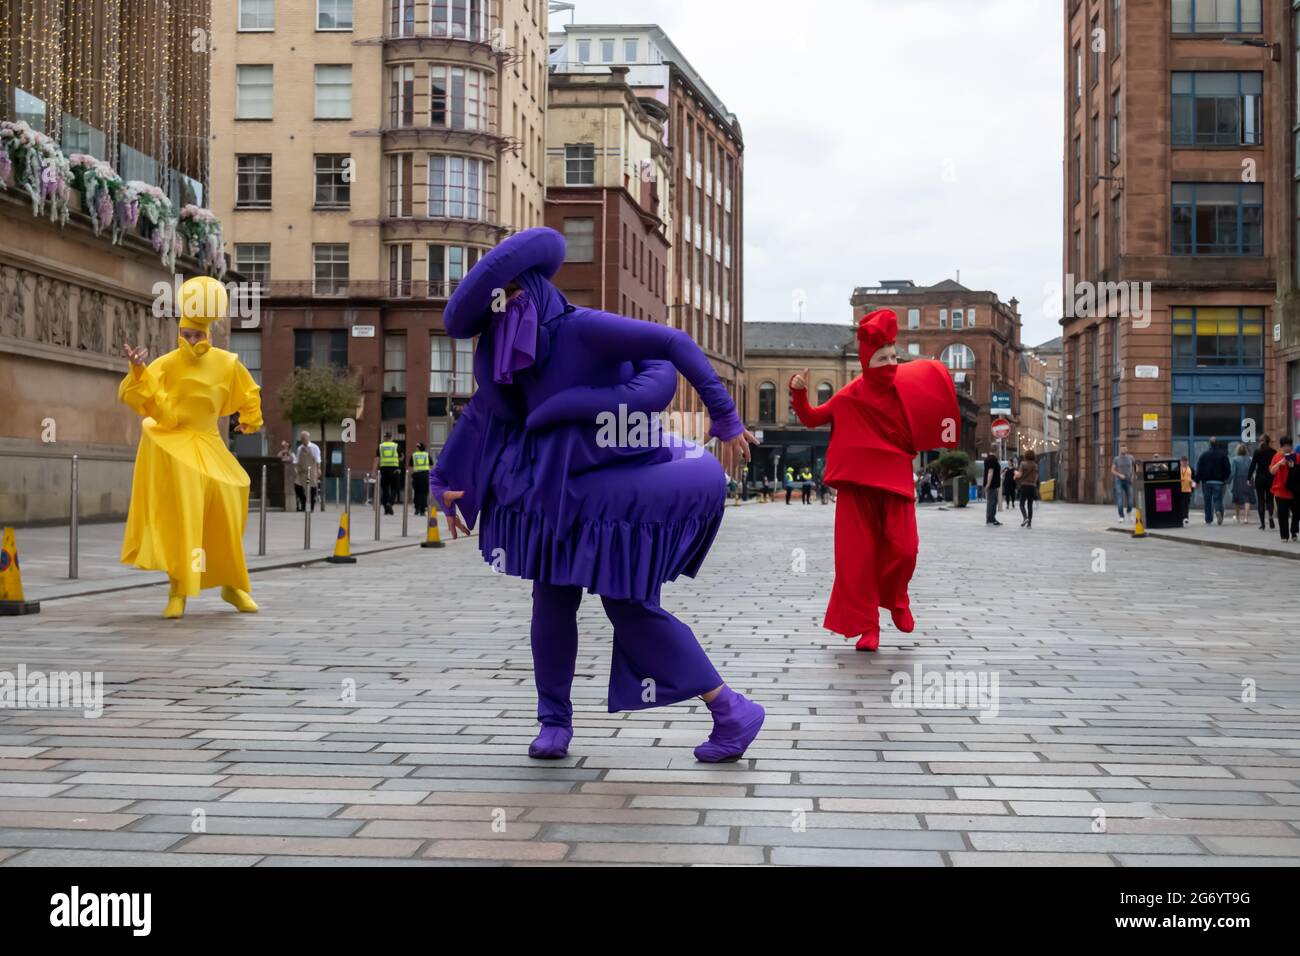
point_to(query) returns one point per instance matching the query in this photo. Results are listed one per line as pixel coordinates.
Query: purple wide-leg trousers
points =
(657, 660)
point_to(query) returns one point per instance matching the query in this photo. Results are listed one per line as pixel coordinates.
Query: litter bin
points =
(1161, 492)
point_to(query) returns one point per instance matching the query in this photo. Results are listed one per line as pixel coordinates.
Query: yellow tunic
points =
(189, 496)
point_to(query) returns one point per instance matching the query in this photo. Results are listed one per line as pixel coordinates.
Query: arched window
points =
(958, 357)
(767, 402)
(824, 392)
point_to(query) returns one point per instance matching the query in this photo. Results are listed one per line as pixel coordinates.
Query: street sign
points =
(1000, 403)
(1001, 428)
(1150, 421)
(363, 331)
(759, 435)
(1147, 371)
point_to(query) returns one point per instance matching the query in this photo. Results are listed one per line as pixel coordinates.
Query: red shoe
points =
(903, 620)
(869, 641)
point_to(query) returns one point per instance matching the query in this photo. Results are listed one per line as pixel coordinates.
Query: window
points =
(253, 259)
(1096, 144)
(399, 270)
(958, 357)
(253, 181)
(402, 20)
(1114, 127)
(248, 347)
(584, 51)
(824, 392)
(580, 164)
(448, 265)
(1218, 219)
(457, 188)
(1116, 26)
(1078, 72)
(970, 318)
(460, 19)
(81, 137)
(1211, 338)
(333, 181)
(1094, 243)
(334, 92)
(1093, 33)
(333, 14)
(1077, 191)
(458, 98)
(1116, 229)
(1218, 109)
(767, 402)
(320, 348)
(630, 50)
(606, 51)
(394, 362)
(451, 364)
(943, 318)
(913, 348)
(400, 186)
(401, 96)
(913, 318)
(330, 268)
(256, 15)
(580, 235)
(958, 319)
(1218, 16)
(253, 92)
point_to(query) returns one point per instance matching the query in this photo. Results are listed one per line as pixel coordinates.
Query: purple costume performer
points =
(558, 503)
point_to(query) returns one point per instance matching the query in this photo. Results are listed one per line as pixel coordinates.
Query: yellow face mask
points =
(194, 351)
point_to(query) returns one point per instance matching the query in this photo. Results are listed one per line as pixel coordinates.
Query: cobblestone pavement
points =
(1121, 735)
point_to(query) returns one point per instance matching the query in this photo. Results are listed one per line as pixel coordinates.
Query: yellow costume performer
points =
(189, 496)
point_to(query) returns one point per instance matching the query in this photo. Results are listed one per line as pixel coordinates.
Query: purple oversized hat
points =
(469, 310)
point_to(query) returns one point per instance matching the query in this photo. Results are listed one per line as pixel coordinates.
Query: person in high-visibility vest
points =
(806, 487)
(420, 478)
(788, 483)
(388, 462)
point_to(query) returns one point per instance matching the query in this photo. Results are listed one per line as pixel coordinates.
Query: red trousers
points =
(875, 555)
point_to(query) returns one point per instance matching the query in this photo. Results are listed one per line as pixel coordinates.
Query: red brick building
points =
(975, 334)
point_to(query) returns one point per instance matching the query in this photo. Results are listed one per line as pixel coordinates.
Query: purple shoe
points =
(551, 744)
(736, 722)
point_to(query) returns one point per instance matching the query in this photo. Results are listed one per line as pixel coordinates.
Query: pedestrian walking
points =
(388, 465)
(306, 470)
(189, 495)
(822, 488)
(1243, 489)
(521, 464)
(992, 485)
(788, 484)
(1185, 485)
(420, 478)
(1009, 485)
(877, 422)
(1122, 467)
(1286, 489)
(1263, 480)
(1027, 486)
(1212, 472)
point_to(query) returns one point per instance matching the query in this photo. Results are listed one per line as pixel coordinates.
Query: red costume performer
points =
(879, 422)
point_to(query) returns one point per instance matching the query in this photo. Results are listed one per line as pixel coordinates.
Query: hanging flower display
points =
(38, 167)
(201, 231)
(101, 189)
(156, 210)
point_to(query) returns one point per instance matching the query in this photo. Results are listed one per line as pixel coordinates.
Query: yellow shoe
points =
(175, 607)
(241, 600)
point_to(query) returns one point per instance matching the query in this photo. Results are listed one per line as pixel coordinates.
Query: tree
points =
(320, 393)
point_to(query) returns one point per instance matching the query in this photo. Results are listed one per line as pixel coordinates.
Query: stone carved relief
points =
(126, 326)
(90, 320)
(13, 301)
(53, 322)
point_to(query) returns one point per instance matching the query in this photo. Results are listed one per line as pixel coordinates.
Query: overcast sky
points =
(884, 139)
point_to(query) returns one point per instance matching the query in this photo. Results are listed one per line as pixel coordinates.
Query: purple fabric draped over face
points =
(514, 339)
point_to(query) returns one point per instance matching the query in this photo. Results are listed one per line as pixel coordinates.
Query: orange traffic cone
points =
(432, 538)
(11, 580)
(1138, 530)
(342, 544)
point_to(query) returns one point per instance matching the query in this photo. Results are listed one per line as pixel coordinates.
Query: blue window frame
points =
(1217, 219)
(1195, 425)
(1218, 16)
(1218, 109)
(1218, 338)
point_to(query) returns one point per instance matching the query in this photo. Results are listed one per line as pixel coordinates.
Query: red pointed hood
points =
(876, 330)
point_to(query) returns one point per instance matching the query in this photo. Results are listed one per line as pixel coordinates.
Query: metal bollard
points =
(306, 529)
(377, 513)
(408, 486)
(72, 522)
(261, 534)
(347, 496)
